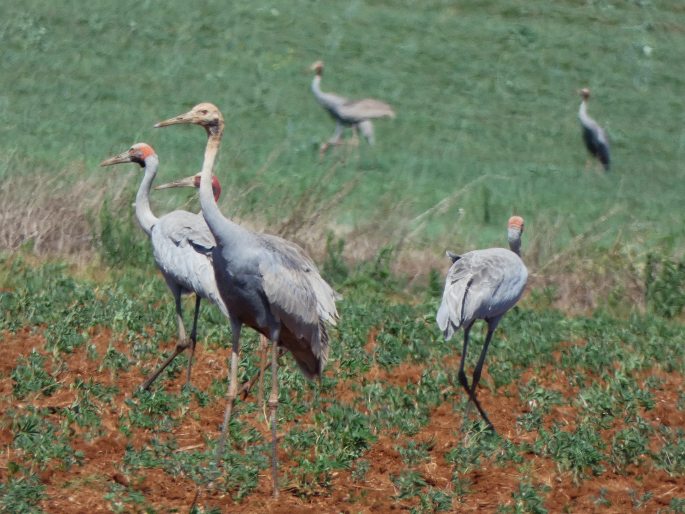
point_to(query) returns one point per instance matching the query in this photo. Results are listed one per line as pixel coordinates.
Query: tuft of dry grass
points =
(50, 214)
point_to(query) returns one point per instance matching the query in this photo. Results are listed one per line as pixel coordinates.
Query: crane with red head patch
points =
(181, 245)
(268, 283)
(356, 114)
(594, 136)
(482, 284)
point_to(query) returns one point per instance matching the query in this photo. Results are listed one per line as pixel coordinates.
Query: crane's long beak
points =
(117, 159)
(184, 182)
(187, 117)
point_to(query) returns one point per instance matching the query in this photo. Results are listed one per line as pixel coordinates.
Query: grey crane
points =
(267, 283)
(194, 182)
(356, 114)
(181, 245)
(595, 138)
(482, 284)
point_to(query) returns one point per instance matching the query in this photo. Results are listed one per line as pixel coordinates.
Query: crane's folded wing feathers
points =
(297, 294)
(189, 228)
(365, 109)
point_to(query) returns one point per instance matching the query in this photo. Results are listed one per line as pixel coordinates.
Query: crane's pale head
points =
(514, 231)
(585, 93)
(138, 153)
(194, 181)
(317, 67)
(205, 114)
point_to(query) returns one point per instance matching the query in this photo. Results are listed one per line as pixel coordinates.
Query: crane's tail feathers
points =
(311, 357)
(445, 324)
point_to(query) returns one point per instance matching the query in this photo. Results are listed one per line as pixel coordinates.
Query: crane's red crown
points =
(317, 67)
(516, 222)
(138, 153)
(216, 185)
(141, 150)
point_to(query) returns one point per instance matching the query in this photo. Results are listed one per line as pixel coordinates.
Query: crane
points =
(181, 245)
(356, 114)
(482, 284)
(194, 182)
(268, 283)
(595, 138)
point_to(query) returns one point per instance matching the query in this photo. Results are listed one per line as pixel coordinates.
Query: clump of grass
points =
(30, 376)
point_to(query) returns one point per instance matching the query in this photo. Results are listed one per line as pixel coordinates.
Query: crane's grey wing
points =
(297, 294)
(182, 245)
(472, 287)
(367, 108)
(189, 228)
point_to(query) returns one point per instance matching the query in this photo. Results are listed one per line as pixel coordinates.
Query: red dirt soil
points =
(82, 488)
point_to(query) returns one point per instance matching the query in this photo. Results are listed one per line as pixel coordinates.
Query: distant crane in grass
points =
(356, 114)
(595, 138)
(181, 244)
(482, 284)
(267, 283)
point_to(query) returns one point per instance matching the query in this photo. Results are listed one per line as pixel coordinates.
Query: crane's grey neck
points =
(582, 113)
(514, 236)
(222, 228)
(143, 211)
(316, 85)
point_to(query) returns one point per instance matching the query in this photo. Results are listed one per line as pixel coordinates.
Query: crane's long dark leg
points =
(181, 345)
(236, 326)
(476, 375)
(462, 376)
(273, 405)
(193, 338)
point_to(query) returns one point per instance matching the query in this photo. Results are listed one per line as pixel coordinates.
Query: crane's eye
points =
(204, 112)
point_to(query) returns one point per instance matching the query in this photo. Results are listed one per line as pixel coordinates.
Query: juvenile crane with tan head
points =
(595, 138)
(482, 284)
(181, 245)
(356, 114)
(267, 283)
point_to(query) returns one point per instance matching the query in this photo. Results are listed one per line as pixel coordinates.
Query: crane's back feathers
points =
(482, 284)
(366, 109)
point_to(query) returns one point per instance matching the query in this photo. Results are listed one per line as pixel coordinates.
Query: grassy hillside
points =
(485, 94)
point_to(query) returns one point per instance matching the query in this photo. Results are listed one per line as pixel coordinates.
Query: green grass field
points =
(584, 380)
(485, 94)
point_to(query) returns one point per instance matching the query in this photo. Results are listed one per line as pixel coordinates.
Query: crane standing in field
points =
(482, 284)
(194, 182)
(181, 245)
(266, 282)
(348, 113)
(595, 138)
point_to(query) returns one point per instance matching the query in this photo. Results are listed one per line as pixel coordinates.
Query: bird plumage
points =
(594, 136)
(268, 283)
(181, 246)
(481, 284)
(348, 113)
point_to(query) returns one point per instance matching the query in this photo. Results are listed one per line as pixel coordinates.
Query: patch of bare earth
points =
(82, 488)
